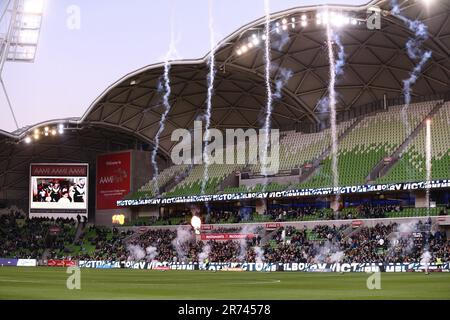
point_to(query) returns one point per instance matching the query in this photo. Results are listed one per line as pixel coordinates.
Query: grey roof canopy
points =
(376, 64)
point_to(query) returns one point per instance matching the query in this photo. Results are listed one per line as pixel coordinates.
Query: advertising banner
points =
(294, 193)
(8, 262)
(61, 263)
(113, 179)
(226, 236)
(270, 267)
(27, 263)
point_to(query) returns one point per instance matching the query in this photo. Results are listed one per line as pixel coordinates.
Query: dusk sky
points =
(73, 67)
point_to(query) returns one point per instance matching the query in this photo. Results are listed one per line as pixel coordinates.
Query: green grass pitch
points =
(50, 283)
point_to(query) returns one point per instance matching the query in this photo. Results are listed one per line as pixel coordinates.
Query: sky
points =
(74, 65)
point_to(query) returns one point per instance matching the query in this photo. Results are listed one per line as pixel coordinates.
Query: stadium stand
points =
(21, 237)
(411, 166)
(360, 149)
(318, 245)
(374, 138)
(154, 186)
(192, 185)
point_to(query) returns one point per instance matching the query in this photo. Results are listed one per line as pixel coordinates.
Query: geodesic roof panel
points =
(376, 65)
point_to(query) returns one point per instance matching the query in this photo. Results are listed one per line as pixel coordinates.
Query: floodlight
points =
(284, 27)
(303, 17)
(27, 140)
(255, 41)
(36, 136)
(53, 132)
(304, 24)
(36, 131)
(239, 52)
(250, 45)
(28, 36)
(244, 48)
(33, 6)
(284, 21)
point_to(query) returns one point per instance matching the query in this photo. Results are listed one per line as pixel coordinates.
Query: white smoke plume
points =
(327, 252)
(425, 259)
(205, 253)
(337, 257)
(184, 236)
(152, 253)
(136, 253)
(280, 42)
(401, 241)
(282, 78)
(243, 242)
(259, 254)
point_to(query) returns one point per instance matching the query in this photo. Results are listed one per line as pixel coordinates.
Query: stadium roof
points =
(377, 63)
(130, 109)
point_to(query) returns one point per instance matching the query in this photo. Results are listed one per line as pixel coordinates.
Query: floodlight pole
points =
(4, 51)
(7, 41)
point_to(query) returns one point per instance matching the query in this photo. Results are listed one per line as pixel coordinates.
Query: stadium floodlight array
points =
(25, 26)
(337, 19)
(45, 131)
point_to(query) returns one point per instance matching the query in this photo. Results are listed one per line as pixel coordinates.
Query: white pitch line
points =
(22, 281)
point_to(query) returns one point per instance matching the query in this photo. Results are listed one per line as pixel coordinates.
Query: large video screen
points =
(58, 190)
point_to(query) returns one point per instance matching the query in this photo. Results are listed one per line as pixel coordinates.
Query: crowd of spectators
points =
(21, 237)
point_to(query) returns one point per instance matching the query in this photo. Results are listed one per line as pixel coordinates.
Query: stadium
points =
(356, 207)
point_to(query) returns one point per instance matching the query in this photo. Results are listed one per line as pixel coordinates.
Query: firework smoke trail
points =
(163, 87)
(336, 68)
(428, 161)
(211, 75)
(267, 123)
(180, 243)
(425, 260)
(136, 252)
(414, 52)
(259, 252)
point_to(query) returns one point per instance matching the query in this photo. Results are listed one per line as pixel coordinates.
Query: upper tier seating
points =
(411, 166)
(374, 138)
